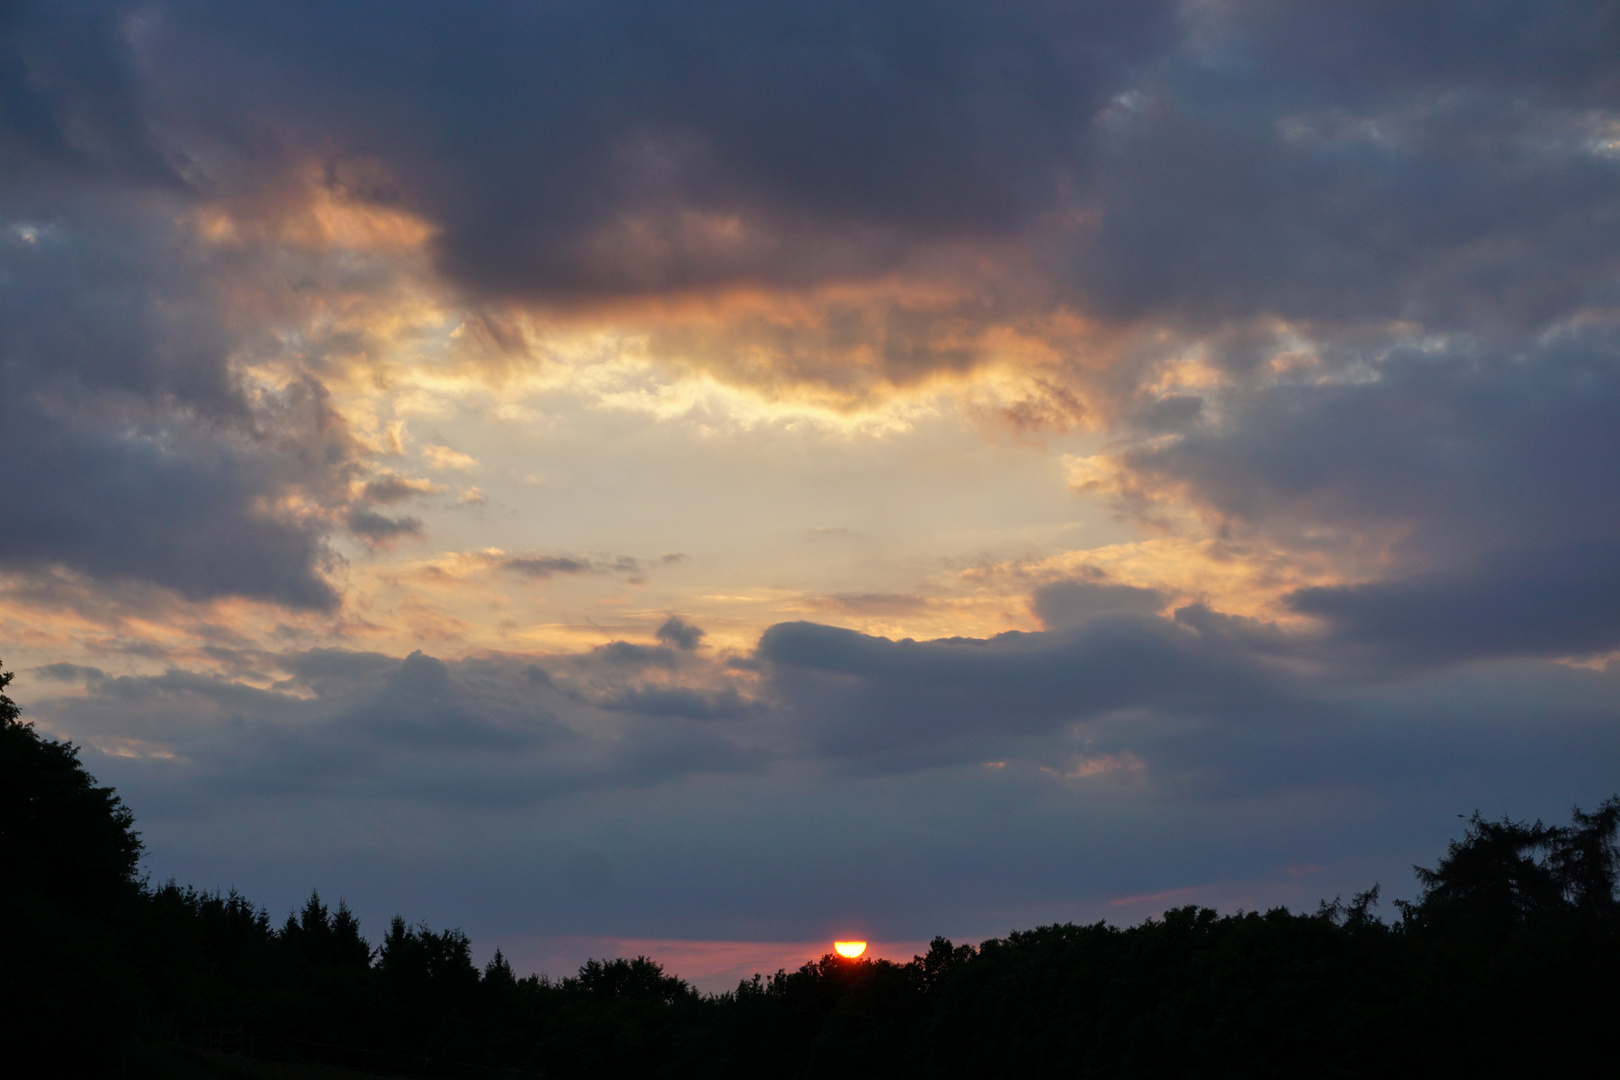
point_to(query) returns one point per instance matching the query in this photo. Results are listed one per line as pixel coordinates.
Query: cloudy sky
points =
(704, 478)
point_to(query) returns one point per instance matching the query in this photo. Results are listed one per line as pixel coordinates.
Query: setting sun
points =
(849, 949)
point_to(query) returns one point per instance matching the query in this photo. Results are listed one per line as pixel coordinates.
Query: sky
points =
(705, 479)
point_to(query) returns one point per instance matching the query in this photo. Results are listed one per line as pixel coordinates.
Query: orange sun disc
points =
(850, 949)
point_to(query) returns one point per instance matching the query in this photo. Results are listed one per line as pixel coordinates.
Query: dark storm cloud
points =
(1337, 161)
(96, 298)
(530, 132)
(854, 695)
(363, 725)
(1333, 161)
(117, 505)
(1369, 49)
(1469, 446)
(1350, 161)
(566, 148)
(1485, 476)
(487, 729)
(1458, 211)
(73, 99)
(1544, 602)
(727, 704)
(131, 451)
(114, 400)
(1202, 706)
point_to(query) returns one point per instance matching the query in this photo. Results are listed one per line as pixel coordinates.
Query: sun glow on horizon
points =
(849, 949)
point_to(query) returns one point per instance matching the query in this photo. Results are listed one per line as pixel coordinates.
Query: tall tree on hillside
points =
(62, 836)
(319, 937)
(68, 891)
(1507, 875)
(1587, 861)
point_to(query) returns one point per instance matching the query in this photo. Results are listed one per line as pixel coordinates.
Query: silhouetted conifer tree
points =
(1511, 875)
(62, 836)
(68, 853)
(318, 938)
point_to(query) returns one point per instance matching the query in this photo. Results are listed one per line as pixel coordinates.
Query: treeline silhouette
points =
(1505, 964)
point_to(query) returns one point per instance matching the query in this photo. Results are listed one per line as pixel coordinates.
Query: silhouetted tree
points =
(1586, 860)
(942, 960)
(206, 957)
(1510, 875)
(498, 973)
(640, 979)
(62, 836)
(68, 853)
(427, 984)
(1512, 946)
(318, 938)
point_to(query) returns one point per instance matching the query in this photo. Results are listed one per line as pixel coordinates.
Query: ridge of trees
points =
(1504, 963)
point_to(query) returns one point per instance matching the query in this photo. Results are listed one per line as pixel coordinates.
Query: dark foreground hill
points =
(1508, 964)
